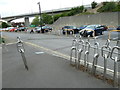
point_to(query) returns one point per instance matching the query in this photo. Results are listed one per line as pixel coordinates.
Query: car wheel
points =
(85, 33)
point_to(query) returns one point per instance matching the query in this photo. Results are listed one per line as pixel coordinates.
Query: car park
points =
(69, 30)
(92, 30)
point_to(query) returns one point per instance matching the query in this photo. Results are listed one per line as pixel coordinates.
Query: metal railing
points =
(82, 47)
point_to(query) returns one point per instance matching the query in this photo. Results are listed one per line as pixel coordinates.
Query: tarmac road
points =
(57, 45)
(45, 71)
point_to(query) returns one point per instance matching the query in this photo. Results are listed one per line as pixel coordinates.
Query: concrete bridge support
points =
(27, 23)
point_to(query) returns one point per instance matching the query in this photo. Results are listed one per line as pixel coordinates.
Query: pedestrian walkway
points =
(45, 71)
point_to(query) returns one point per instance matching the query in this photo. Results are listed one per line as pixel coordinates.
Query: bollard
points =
(21, 50)
(105, 56)
(86, 54)
(4, 44)
(96, 55)
(74, 48)
(80, 50)
(116, 59)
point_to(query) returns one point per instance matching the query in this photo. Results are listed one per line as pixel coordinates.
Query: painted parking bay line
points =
(67, 57)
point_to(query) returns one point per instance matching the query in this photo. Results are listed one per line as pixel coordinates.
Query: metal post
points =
(105, 56)
(21, 50)
(74, 48)
(80, 50)
(87, 50)
(116, 59)
(40, 14)
(96, 55)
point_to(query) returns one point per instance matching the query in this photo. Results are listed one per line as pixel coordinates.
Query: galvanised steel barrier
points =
(82, 47)
(21, 50)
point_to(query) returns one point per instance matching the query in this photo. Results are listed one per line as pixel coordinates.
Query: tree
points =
(76, 10)
(94, 4)
(108, 7)
(36, 21)
(5, 25)
(47, 19)
(117, 7)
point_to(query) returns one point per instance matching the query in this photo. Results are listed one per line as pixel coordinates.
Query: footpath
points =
(45, 71)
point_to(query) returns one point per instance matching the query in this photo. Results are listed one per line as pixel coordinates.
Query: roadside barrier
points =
(80, 50)
(74, 49)
(86, 54)
(96, 55)
(116, 59)
(83, 48)
(105, 56)
(21, 50)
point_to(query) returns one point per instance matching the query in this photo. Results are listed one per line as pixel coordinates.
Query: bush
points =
(5, 25)
(93, 4)
(108, 7)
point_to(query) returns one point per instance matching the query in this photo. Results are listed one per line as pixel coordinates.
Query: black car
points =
(82, 27)
(69, 30)
(97, 29)
(44, 29)
(118, 28)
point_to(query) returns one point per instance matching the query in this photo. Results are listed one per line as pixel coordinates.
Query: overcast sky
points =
(16, 7)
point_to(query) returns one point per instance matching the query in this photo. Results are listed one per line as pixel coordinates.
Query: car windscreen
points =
(70, 27)
(90, 27)
(44, 27)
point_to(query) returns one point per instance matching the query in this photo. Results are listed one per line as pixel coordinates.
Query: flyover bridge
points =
(26, 16)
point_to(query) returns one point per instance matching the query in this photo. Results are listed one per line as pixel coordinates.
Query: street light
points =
(40, 14)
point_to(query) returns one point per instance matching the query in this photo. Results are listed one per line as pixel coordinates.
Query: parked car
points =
(12, 29)
(82, 27)
(98, 29)
(118, 28)
(22, 28)
(69, 29)
(103, 27)
(44, 29)
(38, 29)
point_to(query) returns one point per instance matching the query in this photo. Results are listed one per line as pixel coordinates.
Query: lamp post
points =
(40, 15)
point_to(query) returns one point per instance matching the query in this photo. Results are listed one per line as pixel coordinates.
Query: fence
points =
(80, 58)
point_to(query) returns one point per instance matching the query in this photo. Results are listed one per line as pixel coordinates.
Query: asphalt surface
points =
(45, 71)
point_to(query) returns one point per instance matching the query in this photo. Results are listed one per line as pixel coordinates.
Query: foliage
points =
(94, 4)
(36, 21)
(109, 7)
(76, 10)
(47, 19)
(5, 25)
(117, 7)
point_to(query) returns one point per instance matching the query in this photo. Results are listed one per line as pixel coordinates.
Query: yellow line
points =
(65, 56)
(60, 54)
(49, 50)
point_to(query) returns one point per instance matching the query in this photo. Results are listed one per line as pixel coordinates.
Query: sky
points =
(17, 7)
